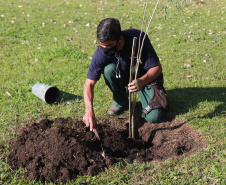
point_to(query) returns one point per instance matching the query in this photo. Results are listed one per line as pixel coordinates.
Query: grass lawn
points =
(52, 42)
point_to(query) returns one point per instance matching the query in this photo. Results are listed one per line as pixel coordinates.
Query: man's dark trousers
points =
(120, 96)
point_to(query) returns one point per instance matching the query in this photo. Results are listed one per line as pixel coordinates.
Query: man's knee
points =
(109, 70)
(155, 116)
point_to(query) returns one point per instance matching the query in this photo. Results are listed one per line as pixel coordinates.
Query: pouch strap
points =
(148, 109)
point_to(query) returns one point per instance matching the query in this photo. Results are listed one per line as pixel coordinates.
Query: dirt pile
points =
(64, 148)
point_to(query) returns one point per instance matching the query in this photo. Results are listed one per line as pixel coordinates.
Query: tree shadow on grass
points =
(68, 97)
(182, 100)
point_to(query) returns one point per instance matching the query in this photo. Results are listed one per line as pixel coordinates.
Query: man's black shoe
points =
(115, 111)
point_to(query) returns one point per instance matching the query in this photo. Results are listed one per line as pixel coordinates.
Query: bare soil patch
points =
(64, 148)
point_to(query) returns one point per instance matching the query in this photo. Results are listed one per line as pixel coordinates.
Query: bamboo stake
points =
(141, 30)
(140, 49)
(131, 132)
(134, 102)
(140, 46)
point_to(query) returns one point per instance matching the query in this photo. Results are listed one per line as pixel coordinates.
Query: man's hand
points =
(151, 75)
(90, 120)
(135, 85)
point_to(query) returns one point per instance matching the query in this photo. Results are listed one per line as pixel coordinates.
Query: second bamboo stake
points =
(131, 117)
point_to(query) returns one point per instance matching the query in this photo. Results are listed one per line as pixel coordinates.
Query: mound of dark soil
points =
(63, 149)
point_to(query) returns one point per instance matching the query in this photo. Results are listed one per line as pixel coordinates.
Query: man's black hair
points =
(109, 29)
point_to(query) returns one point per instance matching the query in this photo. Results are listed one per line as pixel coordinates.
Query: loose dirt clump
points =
(63, 149)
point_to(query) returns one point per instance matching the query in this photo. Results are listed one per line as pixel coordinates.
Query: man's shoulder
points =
(129, 34)
(98, 52)
(99, 57)
(131, 31)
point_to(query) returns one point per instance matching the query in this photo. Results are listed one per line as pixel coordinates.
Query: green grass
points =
(52, 42)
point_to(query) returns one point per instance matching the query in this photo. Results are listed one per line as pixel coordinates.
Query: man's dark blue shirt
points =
(149, 58)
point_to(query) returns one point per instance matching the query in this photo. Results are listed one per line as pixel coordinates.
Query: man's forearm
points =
(151, 74)
(88, 94)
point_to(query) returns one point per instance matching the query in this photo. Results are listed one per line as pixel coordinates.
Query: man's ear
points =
(120, 43)
(120, 39)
